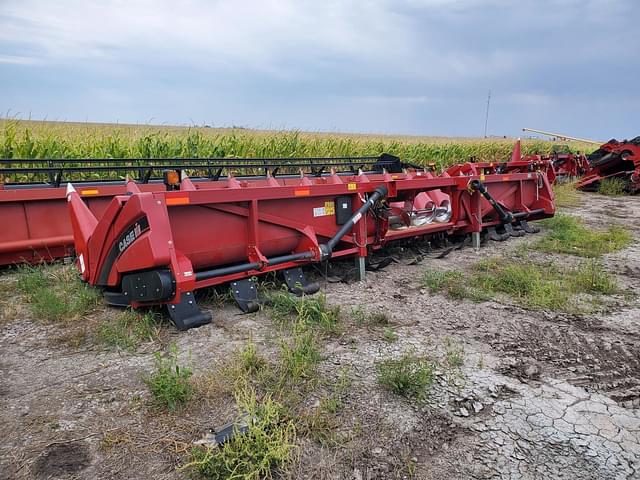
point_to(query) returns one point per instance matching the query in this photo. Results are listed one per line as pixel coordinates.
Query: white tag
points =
(319, 212)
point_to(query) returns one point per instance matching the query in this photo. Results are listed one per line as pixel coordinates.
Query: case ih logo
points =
(130, 237)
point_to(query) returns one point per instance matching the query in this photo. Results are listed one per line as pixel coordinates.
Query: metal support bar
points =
(360, 268)
(475, 240)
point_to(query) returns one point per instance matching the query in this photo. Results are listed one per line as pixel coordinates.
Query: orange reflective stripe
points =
(178, 201)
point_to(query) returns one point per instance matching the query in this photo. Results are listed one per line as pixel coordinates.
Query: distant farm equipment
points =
(612, 160)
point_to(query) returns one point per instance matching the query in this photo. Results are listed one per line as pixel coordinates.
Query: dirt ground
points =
(540, 395)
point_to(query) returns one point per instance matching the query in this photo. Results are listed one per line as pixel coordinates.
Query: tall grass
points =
(33, 140)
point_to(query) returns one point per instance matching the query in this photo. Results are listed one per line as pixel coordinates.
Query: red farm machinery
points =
(151, 232)
(614, 159)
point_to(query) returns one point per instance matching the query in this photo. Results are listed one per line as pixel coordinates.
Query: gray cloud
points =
(407, 66)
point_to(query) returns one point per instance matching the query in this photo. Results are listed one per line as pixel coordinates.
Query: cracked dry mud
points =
(541, 395)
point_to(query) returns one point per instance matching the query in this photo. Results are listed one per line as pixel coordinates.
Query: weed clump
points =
(268, 444)
(591, 277)
(300, 356)
(612, 187)
(569, 235)
(454, 283)
(130, 329)
(409, 375)
(55, 293)
(566, 194)
(312, 311)
(530, 284)
(454, 353)
(170, 382)
(389, 335)
(372, 320)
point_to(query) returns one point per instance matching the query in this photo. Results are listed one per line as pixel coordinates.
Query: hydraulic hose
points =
(327, 248)
(504, 216)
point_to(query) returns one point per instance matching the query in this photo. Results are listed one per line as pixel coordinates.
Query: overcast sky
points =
(384, 66)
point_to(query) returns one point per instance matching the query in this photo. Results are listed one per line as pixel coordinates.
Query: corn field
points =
(39, 140)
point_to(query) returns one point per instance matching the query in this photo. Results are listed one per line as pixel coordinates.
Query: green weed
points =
(436, 280)
(311, 311)
(532, 285)
(55, 293)
(389, 335)
(130, 329)
(170, 382)
(612, 187)
(269, 444)
(591, 277)
(567, 234)
(321, 423)
(453, 283)
(454, 353)
(249, 360)
(300, 355)
(566, 194)
(371, 320)
(409, 375)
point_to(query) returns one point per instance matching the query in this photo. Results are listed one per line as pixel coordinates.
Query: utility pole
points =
(486, 118)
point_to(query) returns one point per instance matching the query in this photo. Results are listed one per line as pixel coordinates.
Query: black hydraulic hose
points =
(527, 214)
(245, 267)
(289, 258)
(504, 216)
(327, 248)
(219, 272)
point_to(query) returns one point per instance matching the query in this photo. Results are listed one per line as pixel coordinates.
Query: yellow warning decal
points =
(352, 186)
(330, 208)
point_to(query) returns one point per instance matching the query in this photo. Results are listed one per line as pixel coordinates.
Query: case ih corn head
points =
(157, 239)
